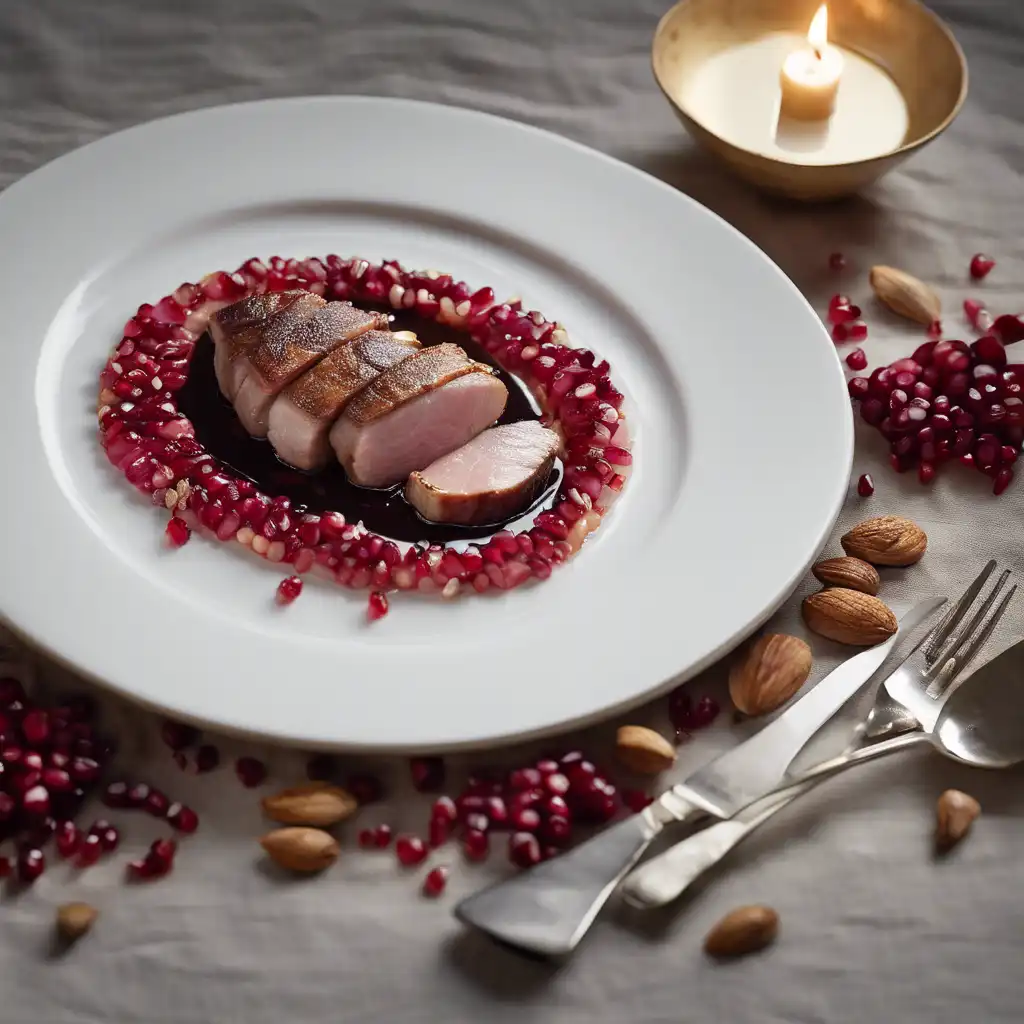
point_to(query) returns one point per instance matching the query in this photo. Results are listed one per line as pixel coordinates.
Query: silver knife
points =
(548, 909)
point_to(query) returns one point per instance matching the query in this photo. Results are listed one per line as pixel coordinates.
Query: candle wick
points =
(818, 53)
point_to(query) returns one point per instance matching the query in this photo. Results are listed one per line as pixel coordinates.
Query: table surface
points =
(873, 927)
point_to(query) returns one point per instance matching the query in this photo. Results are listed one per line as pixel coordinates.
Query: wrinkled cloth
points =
(874, 927)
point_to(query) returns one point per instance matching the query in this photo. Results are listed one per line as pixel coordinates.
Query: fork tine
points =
(961, 635)
(968, 654)
(938, 636)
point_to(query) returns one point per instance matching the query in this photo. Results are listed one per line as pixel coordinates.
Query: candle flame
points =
(817, 34)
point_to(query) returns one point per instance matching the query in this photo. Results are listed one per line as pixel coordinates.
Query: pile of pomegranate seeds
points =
(950, 400)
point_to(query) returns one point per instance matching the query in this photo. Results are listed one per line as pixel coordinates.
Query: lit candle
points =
(810, 76)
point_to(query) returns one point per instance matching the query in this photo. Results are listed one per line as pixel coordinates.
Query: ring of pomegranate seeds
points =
(154, 444)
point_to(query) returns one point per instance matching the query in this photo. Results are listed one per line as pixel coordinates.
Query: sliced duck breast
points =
(304, 412)
(237, 327)
(284, 354)
(489, 479)
(415, 412)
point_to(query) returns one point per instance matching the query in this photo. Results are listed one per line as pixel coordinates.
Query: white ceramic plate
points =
(743, 430)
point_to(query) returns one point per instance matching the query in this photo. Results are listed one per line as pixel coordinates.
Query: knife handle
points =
(665, 877)
(549, 908)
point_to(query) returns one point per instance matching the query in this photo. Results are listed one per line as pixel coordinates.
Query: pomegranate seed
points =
(865, 485)
(476, 821)
(177, 735)
(857, 360)
(434, 883)
(321, 768)
(841, 314)
(444, 809)
(116, 795)
(157, 803)
(557, 783)
(427, 773)
(7, 806)
(382, 836)
(89, 851)
(35, 727)
(56, 780)
(981, 265)
(857, 330)
(438, 831)
(288, 589)
(636, 799)
(177, 531)
(556, 805)
(547, 766)
(496, 810)
(935, 330)
(84, 769)
(556, 830)
(366, 838)
(410, 850)
(182, 818)
(1002, 481)
(840, 333)
(31, 864)
(1009, 328)
(377, 606)
(475, 845)
(137, 795)
(5, 867)
(36, 801)
(109, 838)
(524, 819)
(926, 472)
(836, 261)
(367, 789)
(524, 778)
(250, 771)
(207, 758)
(972, 310)
(163, 850)
(523, 849)
(68, 839)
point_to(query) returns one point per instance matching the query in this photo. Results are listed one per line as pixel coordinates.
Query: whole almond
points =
(775, 667)
(743, 930)
(955, 813)
(643, 751)
(74, 920)
(853, 573)
(886, 540)
(301, 849)
(849, 616)
(905, 294)
(312, 803)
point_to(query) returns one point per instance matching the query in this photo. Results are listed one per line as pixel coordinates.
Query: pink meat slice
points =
(282, 355)
(237, 327)
(489, 479)
(414, 413)
(304, 412)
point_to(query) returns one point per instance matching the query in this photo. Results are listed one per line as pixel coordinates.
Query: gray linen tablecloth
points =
(873, 928)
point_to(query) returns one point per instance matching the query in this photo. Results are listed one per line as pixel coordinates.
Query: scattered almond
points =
(74, 920)
(886, 540)
(852, 573)
(905, 294)
(849, 616)
(743, 930)
(312, 803)
(775, 667)
(643, 751)
(956, 812)
(301, 849)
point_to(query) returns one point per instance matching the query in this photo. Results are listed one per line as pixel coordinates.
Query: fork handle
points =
(665, 877)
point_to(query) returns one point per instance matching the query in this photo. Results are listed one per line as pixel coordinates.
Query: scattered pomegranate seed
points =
(376, 606)
(367, 839)
(435, 882)
(865, 485)
(857, 330)
(836, 261)
(36, 801)
(1002, 481)
(556, 830)
(686, 715)
(31, 864)
(444, 809)
(109, 839)
(857, 359)
(427, 773)
(158, 861)
(116, 795)
(1009, 328)
(410, 850)
(842, 314)
(67, 839)
(382, 836)
(177, 735)
(935, 330)
(981, 265)
(182, 818)
(177, 531)
(438, 832)
(288, 589)
(367, 789)
(524, 849)
(157, 803)
(476, 845)
(207, 758)
(251, 771)
(137, 795)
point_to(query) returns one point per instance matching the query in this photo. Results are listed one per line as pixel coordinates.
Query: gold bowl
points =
(902, 36)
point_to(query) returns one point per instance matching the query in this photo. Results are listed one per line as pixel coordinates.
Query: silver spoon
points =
(981, 724)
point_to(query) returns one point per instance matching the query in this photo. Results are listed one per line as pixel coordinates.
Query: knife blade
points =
(548, 909)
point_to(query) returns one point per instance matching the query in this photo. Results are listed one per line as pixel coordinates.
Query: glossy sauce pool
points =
(384, 512)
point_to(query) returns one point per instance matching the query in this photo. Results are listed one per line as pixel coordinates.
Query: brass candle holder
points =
(904, 81)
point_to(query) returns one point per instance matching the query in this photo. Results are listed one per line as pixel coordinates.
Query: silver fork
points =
(908, 699)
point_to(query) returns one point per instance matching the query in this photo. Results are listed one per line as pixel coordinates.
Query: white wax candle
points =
(810, 76)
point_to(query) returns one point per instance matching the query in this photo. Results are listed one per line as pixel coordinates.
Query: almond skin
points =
(886, 540)
(905, 294)
(312, 803)
(955, 814)
(743, 930)
(853, 573)
(775, 667)
(301, 849)
(849, 617)
(643, 751)
(74, 920)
